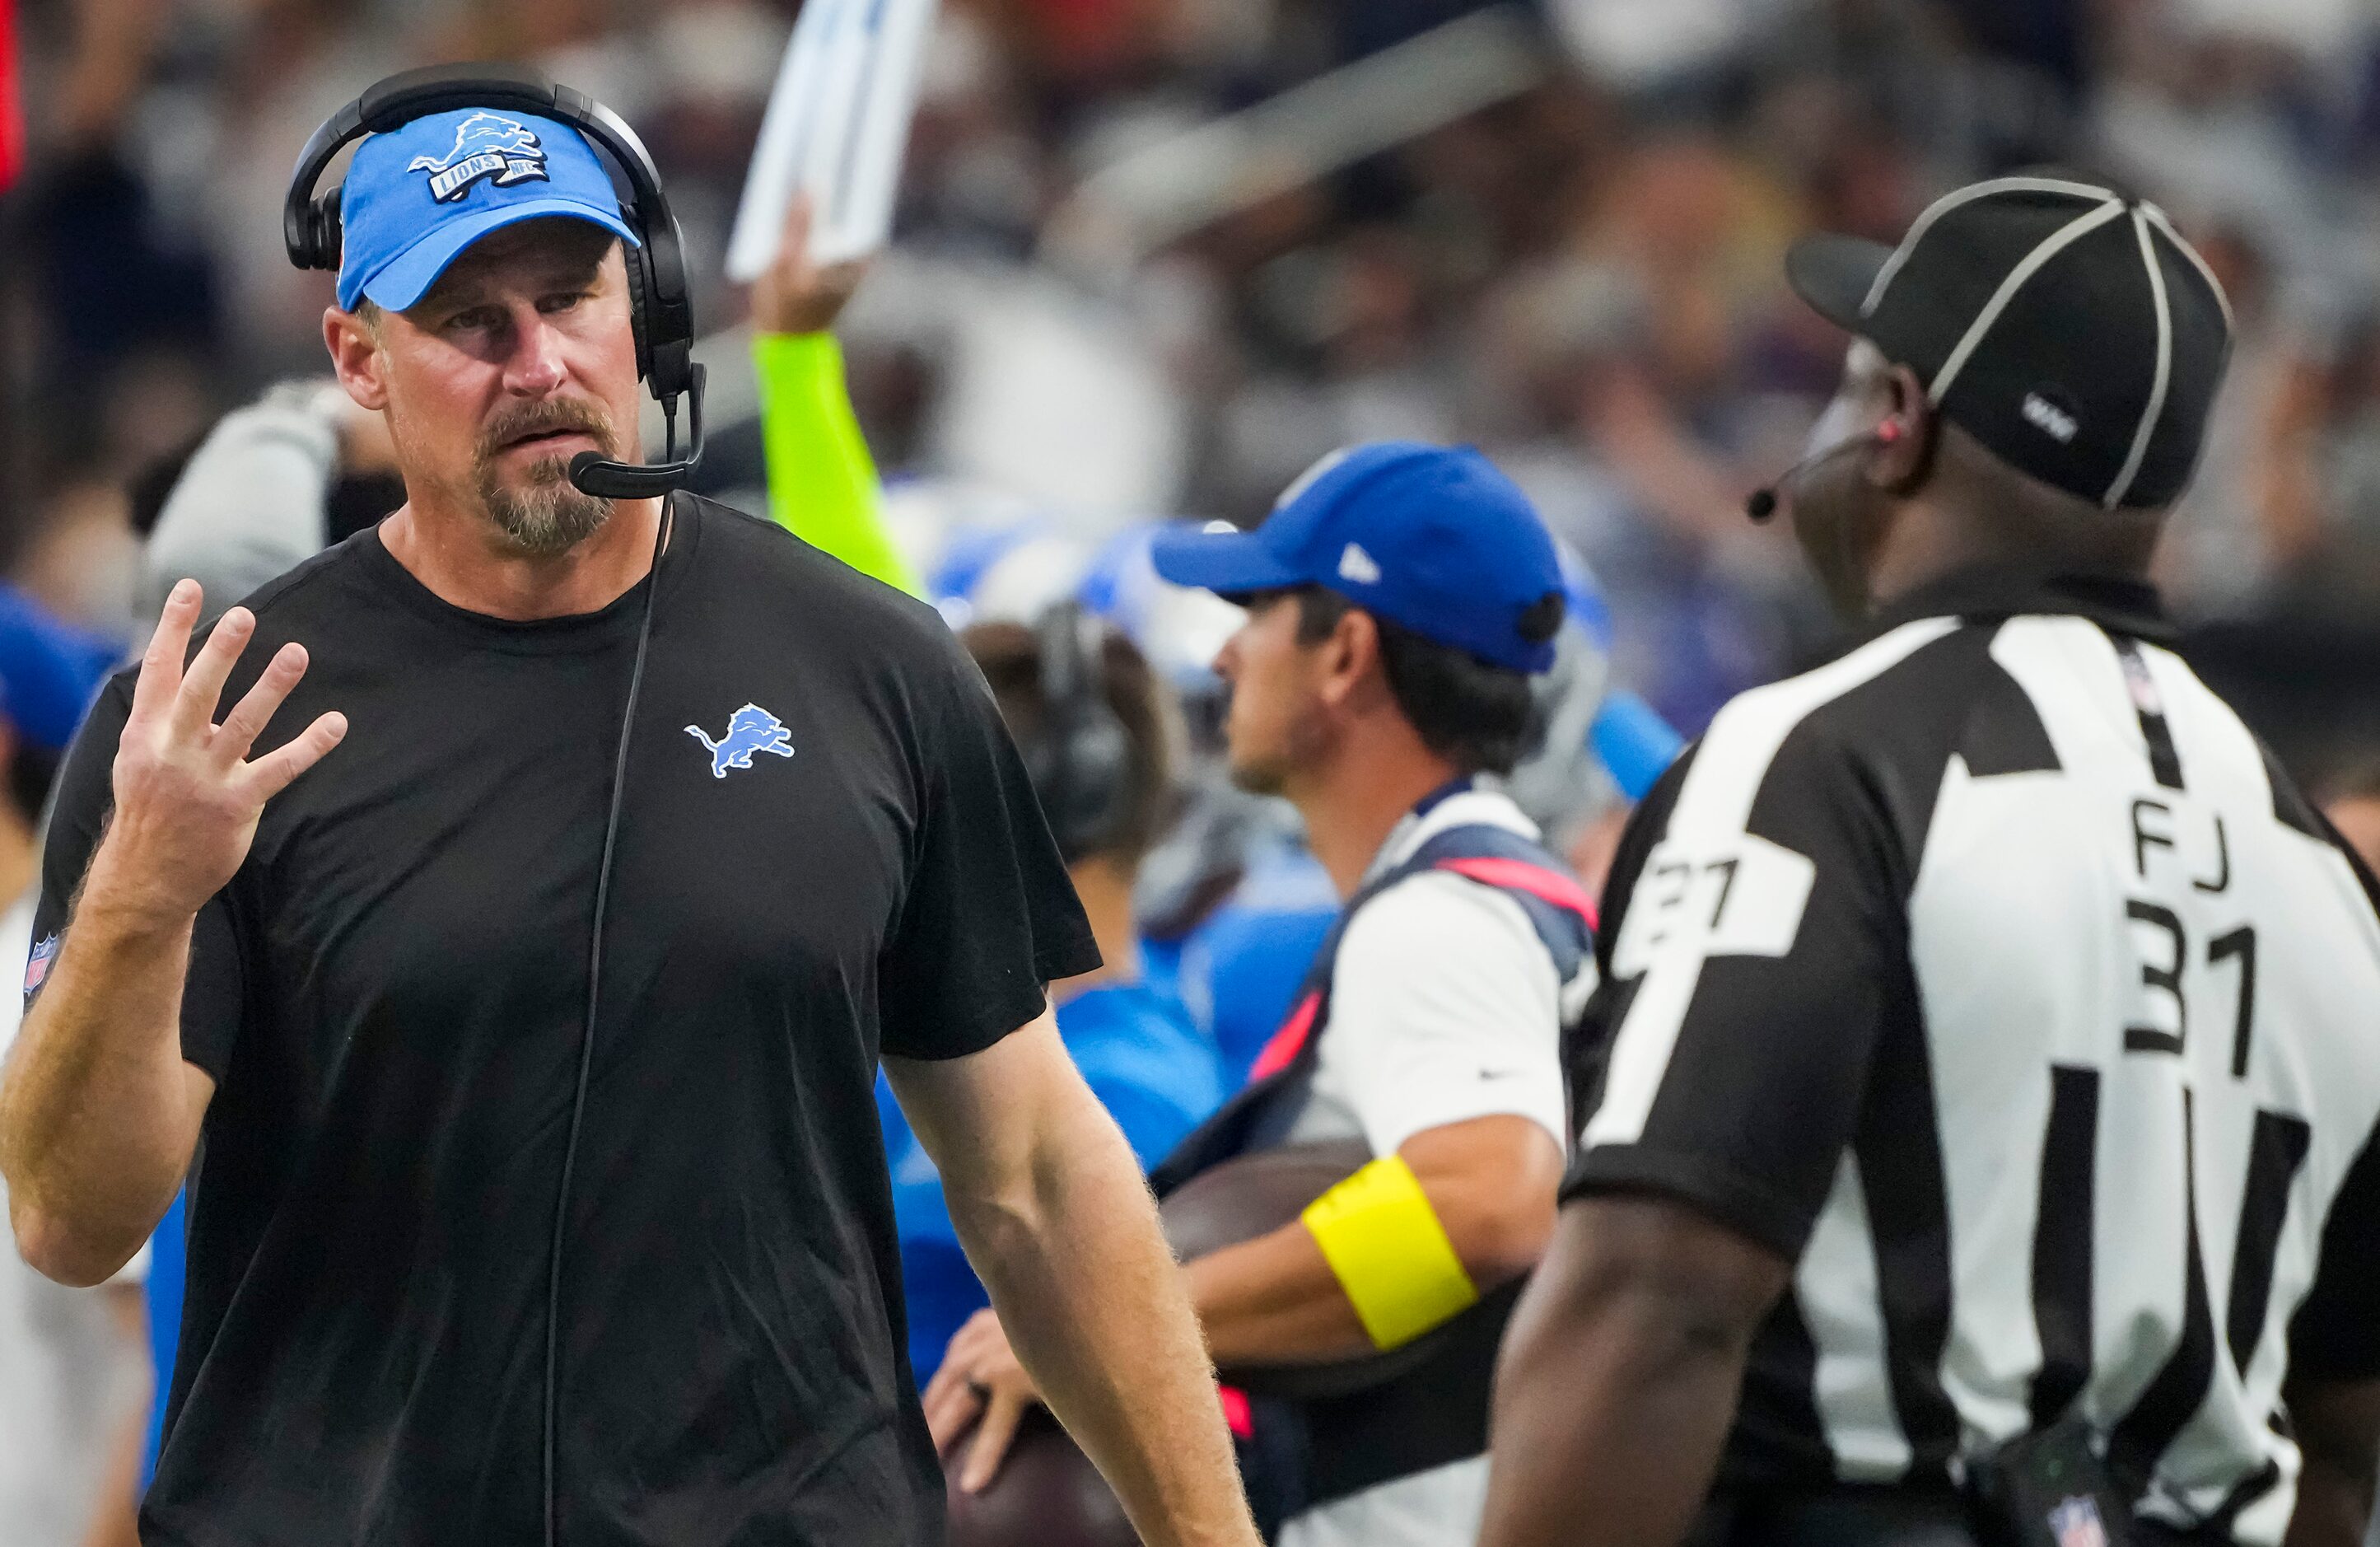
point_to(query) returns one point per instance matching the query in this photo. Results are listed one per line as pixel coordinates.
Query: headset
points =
(1761, 503)
(661, 306)
(661, 312)
(1081, 763)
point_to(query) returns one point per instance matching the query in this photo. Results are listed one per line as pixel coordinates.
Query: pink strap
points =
(1283, 1048)
(1521, 876)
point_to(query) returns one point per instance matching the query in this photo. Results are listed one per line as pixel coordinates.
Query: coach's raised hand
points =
(187, 796)
(98, 1113)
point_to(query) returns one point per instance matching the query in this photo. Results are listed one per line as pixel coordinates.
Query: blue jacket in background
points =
(1148, 1066)
(1239, 972)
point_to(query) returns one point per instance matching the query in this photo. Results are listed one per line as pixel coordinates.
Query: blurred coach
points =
(438, 1291)
(1988, 1123)
(1093, 725)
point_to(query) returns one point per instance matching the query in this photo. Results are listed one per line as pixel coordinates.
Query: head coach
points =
(1985, 1145)
(517, 1015)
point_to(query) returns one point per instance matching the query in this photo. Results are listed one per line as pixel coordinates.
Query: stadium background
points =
(1581, 276)
(1551, 229)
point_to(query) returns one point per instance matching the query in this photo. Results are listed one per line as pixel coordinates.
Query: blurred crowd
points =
(1155, 257)
(1551, 230)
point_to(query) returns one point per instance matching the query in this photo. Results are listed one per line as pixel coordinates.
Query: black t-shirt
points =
(829, 849)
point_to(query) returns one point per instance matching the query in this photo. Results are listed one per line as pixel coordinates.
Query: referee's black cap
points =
(2065, 325)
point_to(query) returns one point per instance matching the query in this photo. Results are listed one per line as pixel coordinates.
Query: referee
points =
(1985, 1148)
(344, 982)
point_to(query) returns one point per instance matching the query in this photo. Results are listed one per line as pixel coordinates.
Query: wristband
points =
(1390, 1254)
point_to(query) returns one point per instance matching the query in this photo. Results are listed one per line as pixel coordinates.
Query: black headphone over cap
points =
(661, 306)
(1081, 763)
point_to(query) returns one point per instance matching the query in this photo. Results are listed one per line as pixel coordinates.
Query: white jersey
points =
(1444, 1007)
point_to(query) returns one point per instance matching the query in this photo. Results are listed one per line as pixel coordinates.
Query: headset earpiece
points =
(1889, 431)
(665, 309)
(323, 233)
(639, 287)
(1081, 763)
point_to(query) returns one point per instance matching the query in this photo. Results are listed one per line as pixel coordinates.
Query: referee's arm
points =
(1051, 1209)
(2333, 1392)
(2338, 1427)
(1742, 995)
(1618, 1380)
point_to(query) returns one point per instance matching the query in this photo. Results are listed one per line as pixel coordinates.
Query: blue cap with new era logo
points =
(1433, 538)
(417, 197)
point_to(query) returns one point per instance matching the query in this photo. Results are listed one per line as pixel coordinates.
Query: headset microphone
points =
(1761, 503)
(593, 473)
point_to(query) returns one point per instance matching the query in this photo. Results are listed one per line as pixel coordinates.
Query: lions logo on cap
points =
(485, 145)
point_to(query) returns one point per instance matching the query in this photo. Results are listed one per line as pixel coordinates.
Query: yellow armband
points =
(1383, 1241)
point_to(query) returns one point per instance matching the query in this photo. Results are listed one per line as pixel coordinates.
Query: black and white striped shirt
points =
(1996, 975)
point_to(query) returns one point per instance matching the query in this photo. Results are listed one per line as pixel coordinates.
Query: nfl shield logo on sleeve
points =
(2076, 1523)
(37, 966)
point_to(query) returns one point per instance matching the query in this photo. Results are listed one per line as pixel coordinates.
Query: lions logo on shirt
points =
(750, 729)
(485, 145)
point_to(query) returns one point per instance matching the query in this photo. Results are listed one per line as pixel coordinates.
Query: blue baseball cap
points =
(414, 198)
(1433, 538)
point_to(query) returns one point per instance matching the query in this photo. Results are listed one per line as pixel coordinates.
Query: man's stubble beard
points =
(551, 515)
(1271, 773)
(1260, 778)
